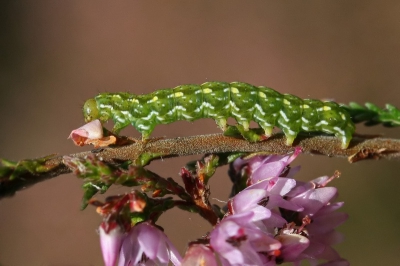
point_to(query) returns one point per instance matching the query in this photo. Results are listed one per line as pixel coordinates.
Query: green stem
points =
(372, 115)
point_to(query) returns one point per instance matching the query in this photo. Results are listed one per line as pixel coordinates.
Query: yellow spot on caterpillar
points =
(155, 98)
(327, 108)
(343, 116)
(286, 102)
(305, 106)
(234, 90)
(262, 94)
(207, 90)
(178, 94)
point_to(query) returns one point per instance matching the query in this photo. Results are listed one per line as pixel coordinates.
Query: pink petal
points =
(275, 220)
(268, 170)
(198, 255)
(149, 239)
(283, 186)
(327, 222)
(278, 201)
(247, 199)
(314, 199)
(91, 130)
(111, 244)
(292, 246)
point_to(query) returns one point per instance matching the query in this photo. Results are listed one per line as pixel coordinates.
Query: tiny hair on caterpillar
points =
(219, 101)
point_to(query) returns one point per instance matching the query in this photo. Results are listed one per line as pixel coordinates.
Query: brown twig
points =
(360, 148)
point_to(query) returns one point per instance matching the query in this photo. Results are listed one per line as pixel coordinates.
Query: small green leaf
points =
(91, 189)
(372, 115)
(145, 158)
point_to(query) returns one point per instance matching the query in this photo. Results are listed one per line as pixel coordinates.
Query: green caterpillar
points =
(220, 100)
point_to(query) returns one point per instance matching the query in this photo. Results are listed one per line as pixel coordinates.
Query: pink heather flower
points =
(248, 200)
(276, 189)
(265, 174)
(110, 242)
(142, 244)
(264, 167)
(199, 255)
(316, 199)
(264, 199)
(147, 245)
(114, 226)
(313, 195)
(322, 234)
(240, 242)
(89, 131)
(302, 217)
(293, 245)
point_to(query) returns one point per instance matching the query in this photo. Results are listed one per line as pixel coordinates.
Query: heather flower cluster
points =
(144, 244)
(271, 220)
(275, 219)
(141, 244)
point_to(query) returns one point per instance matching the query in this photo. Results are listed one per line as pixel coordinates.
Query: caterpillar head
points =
(90, 110)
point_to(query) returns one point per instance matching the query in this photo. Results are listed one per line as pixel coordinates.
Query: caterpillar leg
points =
(345, 137)
(345, 141)
(344, 132)
(144, 127)
(290, 135)
(146, 132)
(267, 129)
(118, 127)
(221, 122)
(245, 125)
(120, 121)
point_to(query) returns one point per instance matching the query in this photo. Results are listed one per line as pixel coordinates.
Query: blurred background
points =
(56, 54)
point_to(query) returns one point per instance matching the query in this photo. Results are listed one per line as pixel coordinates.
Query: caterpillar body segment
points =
(220, 100)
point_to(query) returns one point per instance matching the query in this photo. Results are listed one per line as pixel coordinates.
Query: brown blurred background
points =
(56, 54)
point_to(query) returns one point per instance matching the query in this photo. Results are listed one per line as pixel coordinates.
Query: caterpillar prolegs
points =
(220, 100)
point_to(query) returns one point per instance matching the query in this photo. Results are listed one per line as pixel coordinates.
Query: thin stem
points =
(372, 115)
(360, 148)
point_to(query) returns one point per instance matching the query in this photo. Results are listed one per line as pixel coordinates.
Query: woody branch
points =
(41, 169)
